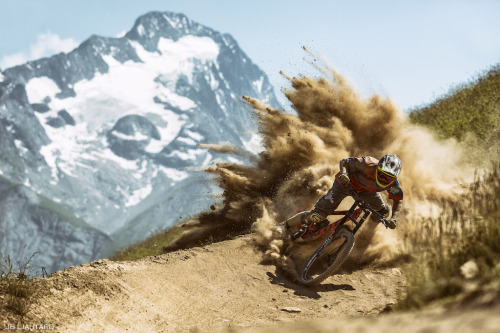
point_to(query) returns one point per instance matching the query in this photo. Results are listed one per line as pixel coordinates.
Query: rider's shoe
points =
(312, 217)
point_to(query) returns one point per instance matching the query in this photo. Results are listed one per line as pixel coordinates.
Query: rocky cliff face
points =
(30, 222)
(110, 132)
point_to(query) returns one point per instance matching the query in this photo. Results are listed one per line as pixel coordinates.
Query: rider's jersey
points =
(361, 171)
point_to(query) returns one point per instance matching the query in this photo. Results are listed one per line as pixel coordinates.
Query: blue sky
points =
(411, 51)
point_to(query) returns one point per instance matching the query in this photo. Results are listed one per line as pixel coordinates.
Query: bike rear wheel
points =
(325, 261)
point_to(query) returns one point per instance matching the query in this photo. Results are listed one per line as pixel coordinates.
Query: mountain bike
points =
(333, 252)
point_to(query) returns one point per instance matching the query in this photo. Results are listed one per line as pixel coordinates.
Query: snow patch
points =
(187, 141)
(154, 146)
(169, 20)
(50, 154)
(254, 145)
(178, 101)
(140, 30)
(39, 88)
(138, 195)
(122, 162)
(127, 88)
(190, 154)
(234, 160)
(189, 47)
(194, 135)
(138, 136)
(20, 146)
(174, 174)
(258, 84)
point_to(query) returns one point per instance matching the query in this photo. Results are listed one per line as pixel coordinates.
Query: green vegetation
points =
(151, 246)
(16, 288)
(470, 108)
(457, 255)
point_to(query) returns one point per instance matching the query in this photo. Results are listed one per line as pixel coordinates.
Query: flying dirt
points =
(231, 270)
(301, 150)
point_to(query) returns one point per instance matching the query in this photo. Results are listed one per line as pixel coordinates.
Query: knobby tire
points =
(342, 253)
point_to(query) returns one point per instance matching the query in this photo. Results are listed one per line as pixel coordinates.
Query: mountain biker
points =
(367, 176)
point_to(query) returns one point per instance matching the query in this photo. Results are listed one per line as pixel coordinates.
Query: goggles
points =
(384, 179)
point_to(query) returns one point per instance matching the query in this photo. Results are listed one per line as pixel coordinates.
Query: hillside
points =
(472, 107)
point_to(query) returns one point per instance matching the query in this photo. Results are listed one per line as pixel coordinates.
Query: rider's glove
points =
(344, 179)
(391, 224)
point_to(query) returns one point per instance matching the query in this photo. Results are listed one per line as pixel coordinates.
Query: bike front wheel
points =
(326, 260)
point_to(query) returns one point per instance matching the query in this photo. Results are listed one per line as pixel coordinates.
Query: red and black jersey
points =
(361, 171)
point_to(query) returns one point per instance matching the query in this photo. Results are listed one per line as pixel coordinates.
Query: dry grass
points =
(15, 285)
(458, 253)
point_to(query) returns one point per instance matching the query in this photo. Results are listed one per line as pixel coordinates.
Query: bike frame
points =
(353, 214)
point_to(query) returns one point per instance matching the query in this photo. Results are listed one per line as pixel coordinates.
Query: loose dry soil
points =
(225, 287)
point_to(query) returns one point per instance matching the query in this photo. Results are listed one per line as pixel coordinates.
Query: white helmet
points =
(388, 170)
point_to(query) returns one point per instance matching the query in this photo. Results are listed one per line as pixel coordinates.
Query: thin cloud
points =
(13, 60)
(46, 45)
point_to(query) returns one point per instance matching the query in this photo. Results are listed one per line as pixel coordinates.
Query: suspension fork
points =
(348, 216)
(353, 217)
(358, 221)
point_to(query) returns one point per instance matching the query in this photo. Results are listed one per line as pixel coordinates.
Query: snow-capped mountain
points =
(109, 131)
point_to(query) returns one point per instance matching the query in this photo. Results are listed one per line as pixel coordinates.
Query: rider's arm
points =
(396, 195)
(343, 165)
(351, 164)
(397, 205)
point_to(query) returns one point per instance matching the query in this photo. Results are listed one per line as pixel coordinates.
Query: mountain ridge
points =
(117, 121)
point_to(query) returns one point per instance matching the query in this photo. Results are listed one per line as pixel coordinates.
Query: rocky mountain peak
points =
(111, 130)
(150, 27)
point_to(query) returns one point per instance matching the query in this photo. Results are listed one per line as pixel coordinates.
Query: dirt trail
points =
(205, 289)
(485, 320)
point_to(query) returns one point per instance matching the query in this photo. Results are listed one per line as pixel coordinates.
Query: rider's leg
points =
(331, 200)
(326, 204)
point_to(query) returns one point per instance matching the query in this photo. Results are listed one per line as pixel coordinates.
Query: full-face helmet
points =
(388, 170)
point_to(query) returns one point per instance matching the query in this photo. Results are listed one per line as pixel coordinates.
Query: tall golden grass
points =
(457, 253)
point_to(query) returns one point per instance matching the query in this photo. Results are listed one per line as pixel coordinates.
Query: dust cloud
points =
(300, 156)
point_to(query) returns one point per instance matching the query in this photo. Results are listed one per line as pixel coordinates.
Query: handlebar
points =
(364, 204)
